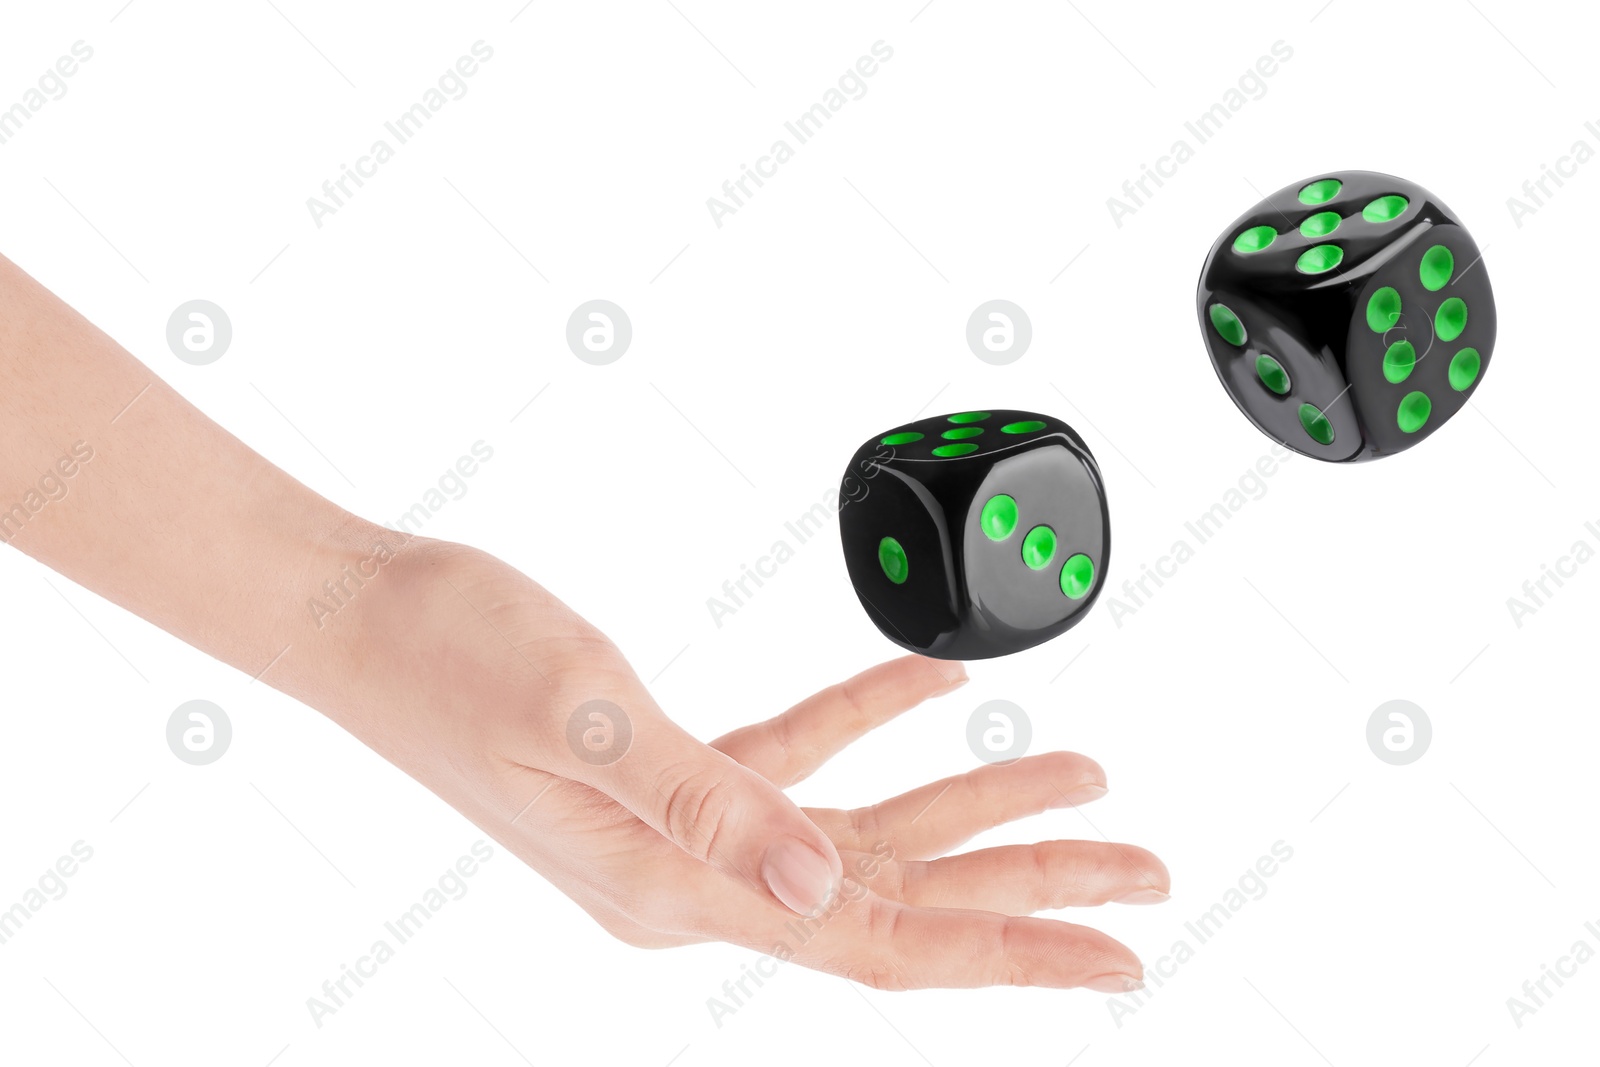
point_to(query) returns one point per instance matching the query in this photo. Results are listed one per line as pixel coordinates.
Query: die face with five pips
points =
(1348, 316)
(976, 534)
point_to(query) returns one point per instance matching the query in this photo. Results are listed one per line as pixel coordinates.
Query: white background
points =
(1230, 710)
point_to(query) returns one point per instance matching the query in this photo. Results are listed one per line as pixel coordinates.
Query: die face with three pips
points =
(975, 534)
(1348, 316)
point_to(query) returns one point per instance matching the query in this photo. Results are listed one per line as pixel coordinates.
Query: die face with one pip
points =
(976, 534)
(1348, 316)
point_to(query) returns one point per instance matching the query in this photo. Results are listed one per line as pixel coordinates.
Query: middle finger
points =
(935, 818)
(1022, 879)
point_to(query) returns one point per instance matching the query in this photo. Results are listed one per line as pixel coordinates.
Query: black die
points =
(1348, 316)
(977, 534)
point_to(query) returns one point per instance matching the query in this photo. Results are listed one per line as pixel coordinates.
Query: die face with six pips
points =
(1348, 316)
(975, 534)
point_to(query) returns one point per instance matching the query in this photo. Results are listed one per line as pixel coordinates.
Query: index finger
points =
(790, 747)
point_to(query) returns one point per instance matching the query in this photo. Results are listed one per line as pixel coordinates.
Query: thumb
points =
(717, 810)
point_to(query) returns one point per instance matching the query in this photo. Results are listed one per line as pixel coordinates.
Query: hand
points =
(466, 673)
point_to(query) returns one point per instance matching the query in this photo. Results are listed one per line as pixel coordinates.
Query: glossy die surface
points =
(1348, 316)
(975, 534)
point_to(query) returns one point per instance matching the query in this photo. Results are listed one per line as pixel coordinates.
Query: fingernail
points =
(798, 876)
(1143, 895)
(1081, 795)
(954, 674)
(1114, 983)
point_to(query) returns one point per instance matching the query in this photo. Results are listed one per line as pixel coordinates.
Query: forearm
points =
(110, 477)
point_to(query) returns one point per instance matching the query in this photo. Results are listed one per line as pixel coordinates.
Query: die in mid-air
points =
(977, 534)
(1348, 316)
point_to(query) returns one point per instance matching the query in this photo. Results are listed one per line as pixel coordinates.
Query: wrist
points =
(308, 629)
